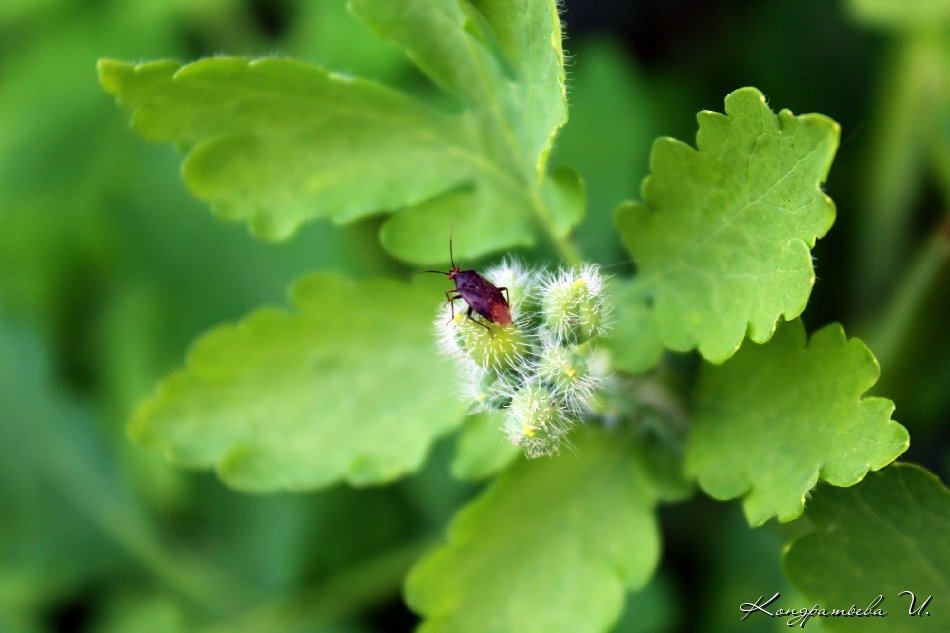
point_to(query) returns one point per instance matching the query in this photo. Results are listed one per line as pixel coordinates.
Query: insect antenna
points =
(455, 268)
(451, 237)
(438, 272)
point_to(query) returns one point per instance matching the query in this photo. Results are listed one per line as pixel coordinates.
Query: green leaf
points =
(777, 417)
(503, 61)
(884, 536)
(502, 58)
(275, 142)
(552, 545)
(633, 341)
(348, 386)
(722, 237)
(482, 448)
(421, 233)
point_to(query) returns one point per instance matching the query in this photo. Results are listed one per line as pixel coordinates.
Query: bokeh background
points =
(108, 268)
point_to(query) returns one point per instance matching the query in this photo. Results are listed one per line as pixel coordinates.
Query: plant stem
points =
(886, 339)
(123, 522)
(909, 99)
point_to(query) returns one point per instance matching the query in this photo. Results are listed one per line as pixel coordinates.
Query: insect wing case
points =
(483, 296)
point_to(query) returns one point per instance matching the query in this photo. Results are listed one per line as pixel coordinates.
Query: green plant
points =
(347, 387)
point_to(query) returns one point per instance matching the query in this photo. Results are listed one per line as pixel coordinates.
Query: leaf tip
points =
(272, 228)
(742, 97)
(627, 216)
(110, 72)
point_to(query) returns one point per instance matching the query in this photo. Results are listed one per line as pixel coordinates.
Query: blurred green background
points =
(108, 269)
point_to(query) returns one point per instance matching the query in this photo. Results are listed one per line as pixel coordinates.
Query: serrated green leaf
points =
(467, 212)
(275, 143)
(502, 57)
(632, 340)
(482, 448)
(552, 545)
(421, 233)
(348, 386)
(777, 417)
(503, 60)
(722, 237)
(884, 536)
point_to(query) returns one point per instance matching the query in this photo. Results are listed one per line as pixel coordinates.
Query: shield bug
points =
(481, 295)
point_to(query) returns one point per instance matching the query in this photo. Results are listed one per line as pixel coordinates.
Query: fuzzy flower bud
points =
(566, 372)
(573, 303)
(486, 389)
(538, 367)
(535, 421)
(487, 344)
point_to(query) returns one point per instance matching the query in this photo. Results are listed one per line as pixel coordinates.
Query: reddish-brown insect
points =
(481, 295)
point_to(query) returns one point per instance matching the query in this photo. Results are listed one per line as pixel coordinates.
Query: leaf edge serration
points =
(233, 460)
(631, 216)
(749, 491)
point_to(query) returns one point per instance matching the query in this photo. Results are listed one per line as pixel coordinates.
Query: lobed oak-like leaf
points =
(348, 386)
(551, 545)
(722, 236)
(275, 142)
(776, 418)
(501, 58)
(886, 536)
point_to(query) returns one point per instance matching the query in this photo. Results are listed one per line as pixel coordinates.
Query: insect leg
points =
(468, 313)
(450, 299)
